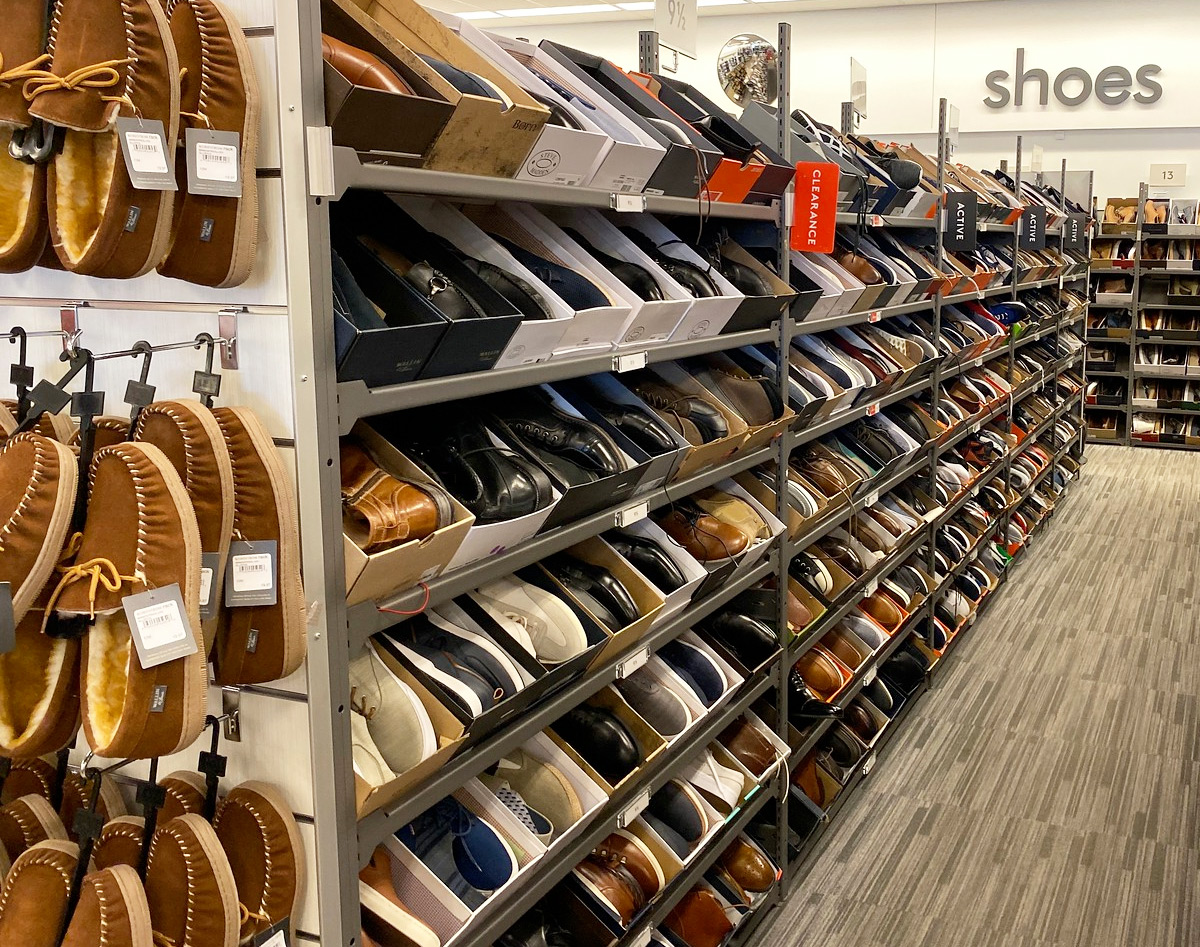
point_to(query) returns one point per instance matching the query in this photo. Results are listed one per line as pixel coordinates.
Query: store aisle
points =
(1045, 792)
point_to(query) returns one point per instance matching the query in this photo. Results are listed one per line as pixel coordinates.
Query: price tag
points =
(871, 498)
(8, 624)
(159, 624)
(870, 588)
(274, 936)
(642, 938)
(628, 203)
(629, 363)
(634, 809)
(148, 160)
(214, 162)
(1168, 175)
(869, 677)
(210, 564)
(874, 220)
(975, 427)
(251, 574)
(872, 409)
(874, 316)
(632, 663)
(630, 515)
(868, 763)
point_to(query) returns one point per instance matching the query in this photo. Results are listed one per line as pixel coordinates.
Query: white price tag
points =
(629, 203)
(634, 809)
(632, 663)
(871, 498)
(161, 624)
(874, 316)
(278, 939)
(1168, 175)
(206, 584)
(979, 361)
(870, 588)
(975, 427)
(629, 363)
(146, 153)
(631, 515)
(641, 938)
(216, 162)
(252, 573)
(868, 763)
(869, 677)
(872, 409)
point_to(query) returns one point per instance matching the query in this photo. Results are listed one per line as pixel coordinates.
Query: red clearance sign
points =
(814, 221)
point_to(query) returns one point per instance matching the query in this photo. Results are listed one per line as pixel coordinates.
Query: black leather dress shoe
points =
(749, 639)
(649, 559)
(645, 430)
(636, 277)
(541, 424)
(596, 581)
(691, 277)
(525, 299)
(803, 705)
(536, 929)
(492, 482)
(707, 419)
(601, 739)
(575, 290)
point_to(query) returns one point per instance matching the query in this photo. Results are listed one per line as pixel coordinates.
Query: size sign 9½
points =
(675, 21)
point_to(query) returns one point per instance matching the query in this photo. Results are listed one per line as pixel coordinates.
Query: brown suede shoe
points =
(39, 699)
(215, 238)
(262, 841)
(140, 534)
(257, 644)
(190, 886)
(35, 894)
(112, 911)
(110, 430)
(38, 479)
(188, 434)
(26, 822)
(57, 427)
(120, 842)
(77, 794)
(34, 776)
(110, 58)
(185, 795)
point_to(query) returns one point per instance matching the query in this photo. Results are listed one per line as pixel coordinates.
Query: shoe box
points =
(401, 567)
(693, 572)
(757, 312)
(757, 435)
(679, 172)
(723, 571)
(763, 121)
(482, 135)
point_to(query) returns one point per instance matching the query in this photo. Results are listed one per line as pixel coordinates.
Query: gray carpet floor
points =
(1045, 792)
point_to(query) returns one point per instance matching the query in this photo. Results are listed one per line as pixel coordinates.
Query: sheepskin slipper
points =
(112, 911)
(34, 897)
(24, 823)
(109, 59)
(188, 433)
(257, 644)
(140, 534)
(110, 430)
(262, 841)
(190, 886)
(186, 792)
(57, 427)
(215, 238)
(38, 479)
(77, 794)
(120, 842)
(34, 776)
(39, 701)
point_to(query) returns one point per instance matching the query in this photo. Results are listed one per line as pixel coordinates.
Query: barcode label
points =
(252, 573)
(206, 582)
(148, 157)
(160, 624)
(215, 162)
(146, 153)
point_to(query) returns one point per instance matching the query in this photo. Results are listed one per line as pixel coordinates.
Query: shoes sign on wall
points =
(675, 21)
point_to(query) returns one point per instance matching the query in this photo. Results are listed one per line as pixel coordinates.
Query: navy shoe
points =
(696, 668)
(462, 850)
(575, 290)
(675, 842)
(679, 806)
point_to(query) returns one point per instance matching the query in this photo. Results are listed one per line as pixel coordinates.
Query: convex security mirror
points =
(748, 69)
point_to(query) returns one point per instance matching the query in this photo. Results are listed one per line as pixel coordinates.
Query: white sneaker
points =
(705, 773)
(555, 631)
(396, 721)
(368, 762)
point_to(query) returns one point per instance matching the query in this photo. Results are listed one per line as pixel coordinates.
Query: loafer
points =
(261, 643)
(820, 673)
(649, 559)
(645, 430)
(580, 576)
(38, 480)
(749, 746)
(215, 239)
(554, 629)
(748, 866)
(575, 290)
(109, 228)
(699, 920)
(190, 886)
(362, 68)
(398, 723)
(262, 842)
(601, 739)
(655, 703)
(518, 292)
(696, 669)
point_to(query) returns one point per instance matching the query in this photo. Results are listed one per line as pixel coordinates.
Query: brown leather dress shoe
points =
(362, 68)
(380, 511)
(820, 673)
(748, 746)
(705, 537)
(747, 866)
(613, 883)
(699, 920)
(631, 852)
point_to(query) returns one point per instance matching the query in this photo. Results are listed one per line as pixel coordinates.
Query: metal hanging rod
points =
(144, 348)
(49, 333)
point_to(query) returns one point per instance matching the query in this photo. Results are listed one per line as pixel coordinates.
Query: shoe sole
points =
(291, 593)
(56, 531)
(481, 642)
(272, 797)
(452, 684)
(49, 821)
(133, 895)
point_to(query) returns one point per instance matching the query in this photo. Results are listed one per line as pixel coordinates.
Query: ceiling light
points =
(480, 15)
(582, 8)
(639, 5)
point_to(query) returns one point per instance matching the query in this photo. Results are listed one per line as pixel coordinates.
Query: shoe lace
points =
(99, 571)
(29, 70)
(162, 940)
(360, 706)
(101, 75)
(249, 916)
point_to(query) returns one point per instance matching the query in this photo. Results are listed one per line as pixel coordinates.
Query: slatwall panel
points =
(274, 719)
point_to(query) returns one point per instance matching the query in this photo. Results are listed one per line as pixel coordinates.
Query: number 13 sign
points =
(675, 21)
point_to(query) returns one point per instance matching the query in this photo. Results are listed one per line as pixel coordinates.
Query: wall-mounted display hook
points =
(227, 329)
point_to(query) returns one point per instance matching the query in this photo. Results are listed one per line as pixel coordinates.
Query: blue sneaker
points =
(464, 852)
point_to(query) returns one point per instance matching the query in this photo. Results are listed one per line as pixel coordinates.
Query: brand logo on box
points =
(543, 162)
(1074, 85)
(814, 218)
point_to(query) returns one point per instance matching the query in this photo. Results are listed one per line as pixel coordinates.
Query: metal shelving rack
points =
(326, 409)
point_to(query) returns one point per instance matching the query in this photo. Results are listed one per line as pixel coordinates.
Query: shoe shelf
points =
(858, 318)
(1168, 337)
(868, 672)
(347, 169)
(809, 738)
(1169, 445)
(1154, 407)
(656, 911)
(378, 825)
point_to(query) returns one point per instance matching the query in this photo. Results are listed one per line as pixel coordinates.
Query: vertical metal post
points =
(310, 317)
(1136, 312)
(783, 500)
(848, 118)
(648, 52)
(935, 393)
(1016, 279)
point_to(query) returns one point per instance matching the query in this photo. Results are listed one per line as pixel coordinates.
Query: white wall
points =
(916, 54)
